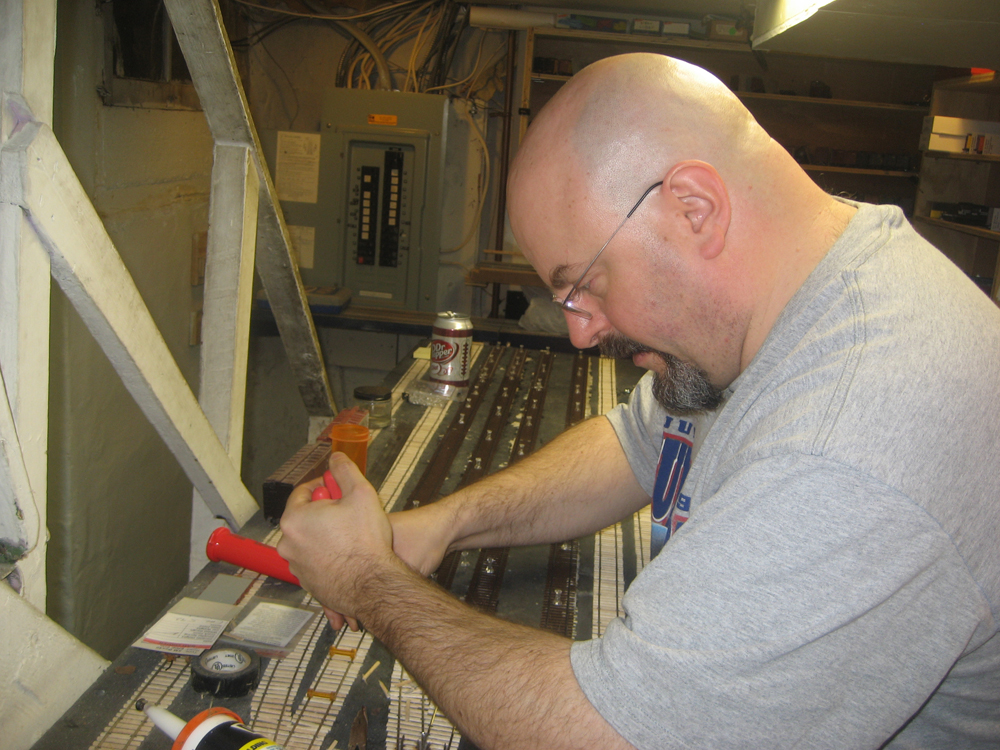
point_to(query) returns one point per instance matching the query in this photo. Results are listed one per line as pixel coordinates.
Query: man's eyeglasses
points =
(568, 303)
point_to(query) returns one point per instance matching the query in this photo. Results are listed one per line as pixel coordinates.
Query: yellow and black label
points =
(261, 743)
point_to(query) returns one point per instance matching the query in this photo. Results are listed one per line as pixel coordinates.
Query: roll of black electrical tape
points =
(226, 672)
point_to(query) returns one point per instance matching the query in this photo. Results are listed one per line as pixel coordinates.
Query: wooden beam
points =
(228, 298)
(232, 222)
(27, 61)
(17, 502)
(91, 273)
(209, 56)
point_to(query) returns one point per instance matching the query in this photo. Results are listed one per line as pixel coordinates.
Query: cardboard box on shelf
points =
(645, 26)
(726, 31)
(591, 23)
(957, 135)
(676, 28)
(952, 144)
(959, 126)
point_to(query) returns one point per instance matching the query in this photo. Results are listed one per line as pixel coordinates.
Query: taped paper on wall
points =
(296, 174)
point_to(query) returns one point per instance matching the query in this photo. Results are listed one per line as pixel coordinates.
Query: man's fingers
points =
(347, 474)
(302, 495)
(337, 620)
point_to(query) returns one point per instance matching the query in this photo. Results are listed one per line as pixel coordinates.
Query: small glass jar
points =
(377, 401)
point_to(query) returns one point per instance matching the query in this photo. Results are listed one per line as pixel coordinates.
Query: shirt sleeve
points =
(639, 427)
(793, 599)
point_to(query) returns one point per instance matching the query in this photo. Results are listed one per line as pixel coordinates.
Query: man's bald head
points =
(620, 123)
(711, 258)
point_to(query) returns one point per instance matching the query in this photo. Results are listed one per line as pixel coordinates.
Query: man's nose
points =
(584, 333)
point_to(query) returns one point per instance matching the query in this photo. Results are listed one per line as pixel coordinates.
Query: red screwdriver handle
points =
(225, 546)
(329, 490)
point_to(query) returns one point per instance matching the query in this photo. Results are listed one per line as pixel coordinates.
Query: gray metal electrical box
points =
(375, 223)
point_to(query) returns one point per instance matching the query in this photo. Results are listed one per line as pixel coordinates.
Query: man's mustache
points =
(619, 346)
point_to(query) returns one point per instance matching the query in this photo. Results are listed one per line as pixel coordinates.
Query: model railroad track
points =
(487, 577)
(324, 676)
(559, 599)
(428, 488)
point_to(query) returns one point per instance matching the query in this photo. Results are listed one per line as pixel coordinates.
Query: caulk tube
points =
(215, 729)
(220, 729)
(170, 724)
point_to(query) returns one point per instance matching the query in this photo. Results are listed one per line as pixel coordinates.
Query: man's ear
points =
(704, 203)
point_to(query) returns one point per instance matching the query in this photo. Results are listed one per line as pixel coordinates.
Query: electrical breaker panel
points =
(375, 226)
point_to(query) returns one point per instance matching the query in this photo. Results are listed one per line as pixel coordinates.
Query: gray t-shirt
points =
(837, 582)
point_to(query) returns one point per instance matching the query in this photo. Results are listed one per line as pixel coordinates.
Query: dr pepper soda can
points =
(451, 352)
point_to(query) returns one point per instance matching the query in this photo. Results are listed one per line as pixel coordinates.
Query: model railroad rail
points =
(482, 456)
(487, 577)
(429, 487)
(559, 600)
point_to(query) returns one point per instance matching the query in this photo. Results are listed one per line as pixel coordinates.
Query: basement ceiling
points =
(951, 33)
(954, 33)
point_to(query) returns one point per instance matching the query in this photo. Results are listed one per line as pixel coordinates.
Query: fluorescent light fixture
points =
(774, 17)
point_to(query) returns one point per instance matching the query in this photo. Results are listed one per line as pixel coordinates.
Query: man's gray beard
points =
(683, 389)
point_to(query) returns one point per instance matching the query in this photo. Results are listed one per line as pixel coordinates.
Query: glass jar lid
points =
(372, 393)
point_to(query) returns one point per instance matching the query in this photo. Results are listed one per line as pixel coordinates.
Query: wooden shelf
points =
(641, 39)
(503, 273)
(963, 157)
(541, 77)
(976, 83)
(858, 170)
(963, 228)
(823, 102)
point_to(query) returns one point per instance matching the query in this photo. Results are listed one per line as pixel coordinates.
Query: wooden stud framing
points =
(90, 272)
(203, 40)
(27, 61)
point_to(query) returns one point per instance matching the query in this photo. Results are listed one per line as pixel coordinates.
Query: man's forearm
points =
(503, 685)
(579, 483)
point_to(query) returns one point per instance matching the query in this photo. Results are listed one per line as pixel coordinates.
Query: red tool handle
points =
(225, 546)
(331, 490)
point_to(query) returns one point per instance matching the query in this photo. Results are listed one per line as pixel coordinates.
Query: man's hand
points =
(335, 546)
(420, 537)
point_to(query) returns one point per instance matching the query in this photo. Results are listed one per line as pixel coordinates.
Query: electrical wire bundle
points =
(424, 34)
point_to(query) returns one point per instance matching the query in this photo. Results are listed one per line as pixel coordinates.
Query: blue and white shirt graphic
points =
(670, 507)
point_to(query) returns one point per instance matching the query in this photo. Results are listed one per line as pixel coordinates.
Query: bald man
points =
(828, 571)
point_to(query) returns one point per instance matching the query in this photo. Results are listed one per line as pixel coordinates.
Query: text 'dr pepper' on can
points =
(451, 350)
